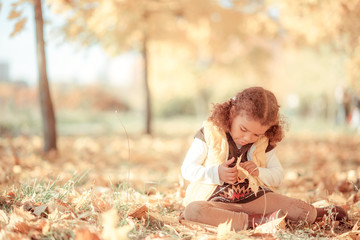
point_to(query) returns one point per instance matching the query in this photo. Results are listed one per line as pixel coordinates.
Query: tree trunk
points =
(47, 111)
(146, 86)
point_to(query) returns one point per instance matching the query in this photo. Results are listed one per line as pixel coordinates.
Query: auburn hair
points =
(255, 103)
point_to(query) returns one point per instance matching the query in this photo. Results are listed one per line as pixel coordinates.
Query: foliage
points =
(319, 22)
(124, 24)
(112, 193)
(177, 107)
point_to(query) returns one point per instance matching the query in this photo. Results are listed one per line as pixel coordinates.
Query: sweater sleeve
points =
(192, 168)
(273, 174)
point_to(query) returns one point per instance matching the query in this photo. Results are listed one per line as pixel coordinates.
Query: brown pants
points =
(214, 213)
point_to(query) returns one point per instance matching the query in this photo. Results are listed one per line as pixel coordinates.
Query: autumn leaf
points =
(19, 221)
(100, 205)
(271, 226)
(18, 26)
(41, 210)
(243, 174)
(111, 232)
(86, 234)
(14, 14)
(3, 217)
(138, 212)
(224, 229)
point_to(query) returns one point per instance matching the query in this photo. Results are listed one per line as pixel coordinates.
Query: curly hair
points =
(257, 104)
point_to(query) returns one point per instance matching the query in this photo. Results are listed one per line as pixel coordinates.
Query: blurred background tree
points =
(204, 30)
(318, 23)
(189, 54)
(46, 105)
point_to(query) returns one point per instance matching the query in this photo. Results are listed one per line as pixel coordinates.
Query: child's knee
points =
(194, 210)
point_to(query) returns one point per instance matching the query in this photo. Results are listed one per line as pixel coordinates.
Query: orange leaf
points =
(224, 229)
(10, 196)
(14, 14)
(21, 227)
(100, 205)
(18, 26)
(86, 234)
(138, 212)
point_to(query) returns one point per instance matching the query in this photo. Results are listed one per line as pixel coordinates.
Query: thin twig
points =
(128, 172)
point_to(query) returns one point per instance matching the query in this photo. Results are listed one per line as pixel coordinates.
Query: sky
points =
(65, 62)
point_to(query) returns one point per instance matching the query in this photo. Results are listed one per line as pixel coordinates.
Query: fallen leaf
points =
(21, 227)
(86, 234)
(85, 215)
(3, 217)
(111, 232)
(271, 226)
(355, 227)
(157, 236)
(27, 216)
(337, 198)
(243, 174)
(352, 235)
(224, 229)
(41, 210)
(100, 205)
(138, 212)
(46, 228)
(54, 215)
(321, 203)
(345, 186)
(10, 196)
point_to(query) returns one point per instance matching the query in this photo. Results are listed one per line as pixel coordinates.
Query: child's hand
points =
(228, 174)
(251, 167)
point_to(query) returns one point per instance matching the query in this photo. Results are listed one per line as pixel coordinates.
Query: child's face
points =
(244, 130)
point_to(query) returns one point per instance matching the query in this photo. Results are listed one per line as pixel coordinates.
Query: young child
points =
(241, 133)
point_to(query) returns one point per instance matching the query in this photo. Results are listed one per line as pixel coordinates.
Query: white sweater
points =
(193, 170)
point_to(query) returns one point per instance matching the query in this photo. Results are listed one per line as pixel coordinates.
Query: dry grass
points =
(70, 194)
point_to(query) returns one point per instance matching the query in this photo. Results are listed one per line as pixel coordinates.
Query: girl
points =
(241, 133)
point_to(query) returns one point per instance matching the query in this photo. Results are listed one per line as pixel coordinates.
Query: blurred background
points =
(111, 93)
(155, 66)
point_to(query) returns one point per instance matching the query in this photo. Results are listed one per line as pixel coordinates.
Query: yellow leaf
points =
(271, 226)
(356, 227)
(18, 27)
(243, 174)
(224, 229)
(110, 220)
(3, 217)
(14, 14)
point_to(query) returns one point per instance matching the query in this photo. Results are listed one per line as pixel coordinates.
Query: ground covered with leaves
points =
(120, 187)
